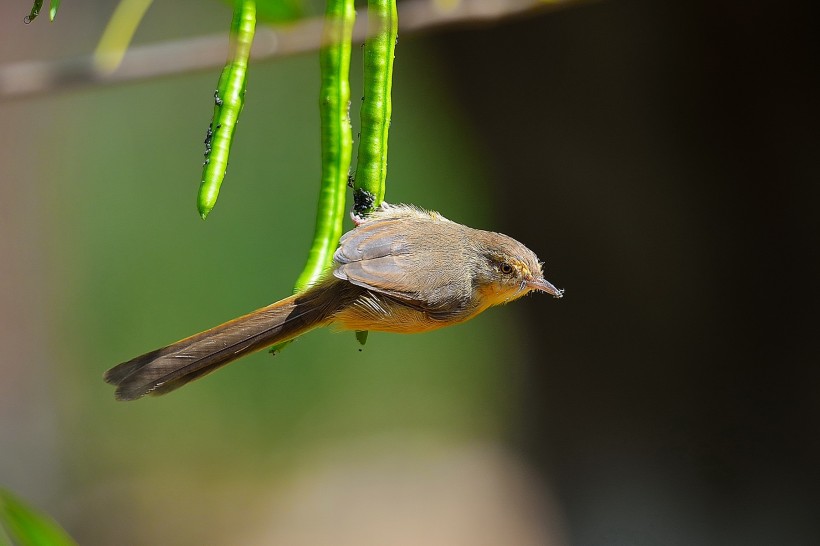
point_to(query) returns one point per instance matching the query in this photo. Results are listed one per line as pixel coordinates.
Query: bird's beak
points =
(542, 284)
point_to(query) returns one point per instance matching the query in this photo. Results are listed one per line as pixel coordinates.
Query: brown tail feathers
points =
(171, 367)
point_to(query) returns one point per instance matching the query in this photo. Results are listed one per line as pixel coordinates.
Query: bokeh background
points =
(661, 157)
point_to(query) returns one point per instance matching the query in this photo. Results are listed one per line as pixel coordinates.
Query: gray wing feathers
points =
(373, 256)
(378, 256)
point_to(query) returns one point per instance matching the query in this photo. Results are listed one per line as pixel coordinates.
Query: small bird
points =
(402, 269)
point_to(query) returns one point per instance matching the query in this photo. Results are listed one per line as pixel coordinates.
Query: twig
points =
(31, 78)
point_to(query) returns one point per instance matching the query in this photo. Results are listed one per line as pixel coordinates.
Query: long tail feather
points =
(171, 367)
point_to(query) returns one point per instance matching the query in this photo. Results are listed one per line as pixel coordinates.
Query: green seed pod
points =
(337, 138)
(379, 51)
(229, 99)
(35, 11)
(337, 141)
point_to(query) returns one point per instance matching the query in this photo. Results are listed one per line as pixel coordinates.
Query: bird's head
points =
(505, 270)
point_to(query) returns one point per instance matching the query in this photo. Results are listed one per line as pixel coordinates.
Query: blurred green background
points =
(105, 258)
(659, 156)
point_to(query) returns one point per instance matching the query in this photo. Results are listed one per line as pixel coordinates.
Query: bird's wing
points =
(377, 256)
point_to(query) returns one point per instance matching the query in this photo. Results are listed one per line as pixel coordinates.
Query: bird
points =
(401, 269)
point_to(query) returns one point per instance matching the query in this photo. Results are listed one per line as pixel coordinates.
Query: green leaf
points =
(35, 11)
(52, 12)
(27, 526)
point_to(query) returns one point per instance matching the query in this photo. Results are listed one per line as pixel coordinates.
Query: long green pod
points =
(337, 138)
(35, 11)
(377, 109)
(337, 141)
(118, 34)
(229, 98)
(379, 51)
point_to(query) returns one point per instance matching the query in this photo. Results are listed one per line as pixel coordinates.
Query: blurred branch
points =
(32, 78)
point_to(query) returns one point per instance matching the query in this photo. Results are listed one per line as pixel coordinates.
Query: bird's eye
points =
(505, 268)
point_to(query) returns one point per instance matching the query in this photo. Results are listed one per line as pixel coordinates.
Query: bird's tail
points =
(171, 367)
